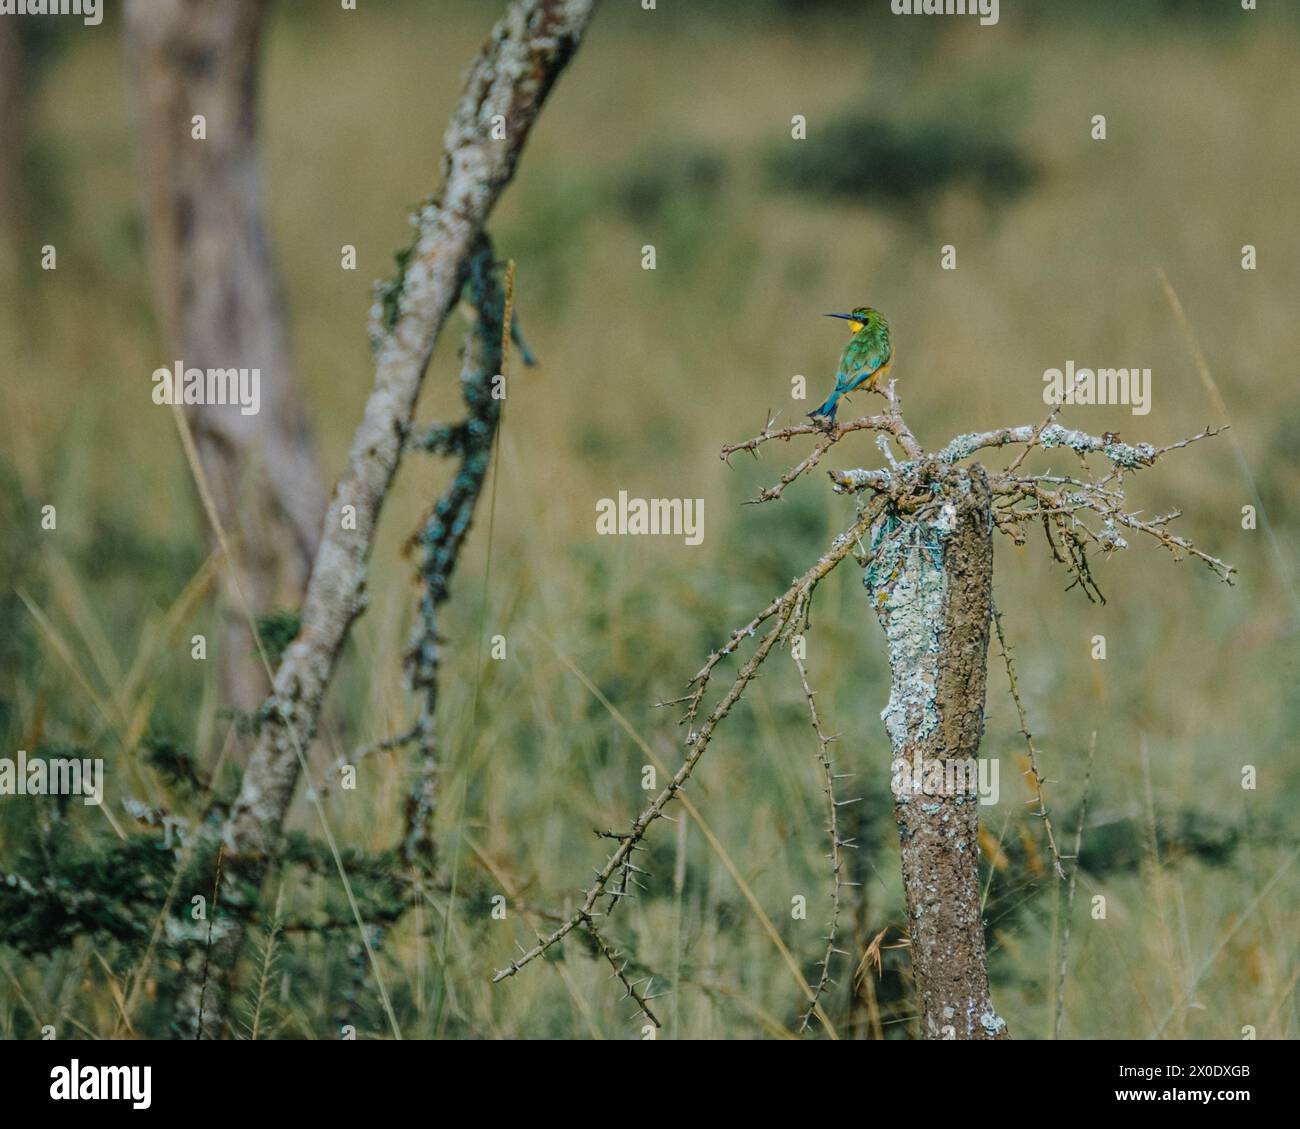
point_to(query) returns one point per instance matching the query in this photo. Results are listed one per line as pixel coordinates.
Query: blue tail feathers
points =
(827, 410)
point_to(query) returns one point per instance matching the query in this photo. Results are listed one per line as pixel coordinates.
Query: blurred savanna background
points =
(672, 128)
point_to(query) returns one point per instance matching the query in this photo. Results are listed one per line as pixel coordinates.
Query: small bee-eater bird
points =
(865, 360)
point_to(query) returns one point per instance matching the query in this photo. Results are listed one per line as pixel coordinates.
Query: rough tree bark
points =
(219, 299)
(931, 583)
(510, 80)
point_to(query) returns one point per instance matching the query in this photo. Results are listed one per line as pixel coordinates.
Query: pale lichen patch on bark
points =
(905, 579)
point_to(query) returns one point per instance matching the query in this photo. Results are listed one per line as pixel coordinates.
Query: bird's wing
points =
(860, 360)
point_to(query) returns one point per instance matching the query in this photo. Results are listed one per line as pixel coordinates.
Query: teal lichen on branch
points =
(443, 532)
(388, 295)
(442, 535)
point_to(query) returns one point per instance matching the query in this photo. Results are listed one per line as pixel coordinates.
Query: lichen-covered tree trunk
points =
(219, 298)
(931, 583)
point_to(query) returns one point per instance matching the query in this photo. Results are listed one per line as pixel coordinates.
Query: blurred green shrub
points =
(665, 177)
(870, 161)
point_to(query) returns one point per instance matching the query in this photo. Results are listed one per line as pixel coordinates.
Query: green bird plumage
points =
(865, 360)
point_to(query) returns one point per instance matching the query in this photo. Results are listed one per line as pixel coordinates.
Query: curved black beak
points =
(846, 317)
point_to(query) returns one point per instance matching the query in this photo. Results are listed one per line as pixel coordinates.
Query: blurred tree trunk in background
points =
(14, 106)
(219, 300)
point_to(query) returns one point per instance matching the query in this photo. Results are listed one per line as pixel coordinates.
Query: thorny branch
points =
(784, 612)
(1069, 898)
(630, 987)
(1059, 501)
(889, 423)
(837, 844)
(1033, 772)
